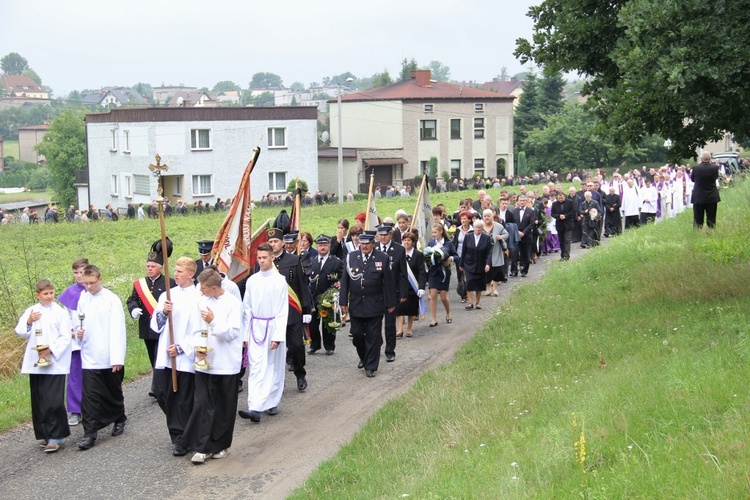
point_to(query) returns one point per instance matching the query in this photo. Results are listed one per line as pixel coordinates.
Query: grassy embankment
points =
(119, 249)
(621, 374)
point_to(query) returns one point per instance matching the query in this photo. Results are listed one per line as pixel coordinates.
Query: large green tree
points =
(64, 147)
(407, 66)
(265, 80)
(14, 64)
(439, 71)
(526, 116)
(225, 86)
(677, 69)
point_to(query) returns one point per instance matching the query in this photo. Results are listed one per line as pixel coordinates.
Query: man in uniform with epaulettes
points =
(367, 292)
(325, 273)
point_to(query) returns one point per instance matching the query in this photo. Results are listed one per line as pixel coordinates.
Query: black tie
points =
(364, 259)
(408, 257)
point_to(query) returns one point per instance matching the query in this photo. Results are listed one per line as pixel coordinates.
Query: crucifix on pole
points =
(157, 170)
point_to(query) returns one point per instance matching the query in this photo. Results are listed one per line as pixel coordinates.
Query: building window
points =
(455, 128)
(142, 185)
(478, 128)
(126, 134)
(200, 139)
(456, 169)
(128, 186)
(479, 108)
(428, 108)
(113, 140)
(113, 185)
(276, 137)
(202, 185)
(479, 166)
(427, 130)
(277, 181)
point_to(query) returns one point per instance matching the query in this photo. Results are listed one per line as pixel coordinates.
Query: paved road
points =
(267, 460)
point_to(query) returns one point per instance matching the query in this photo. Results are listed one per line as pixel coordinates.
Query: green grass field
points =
(10, 148)
(621, 374)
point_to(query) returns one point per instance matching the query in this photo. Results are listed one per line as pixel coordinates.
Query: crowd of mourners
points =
(203, 332)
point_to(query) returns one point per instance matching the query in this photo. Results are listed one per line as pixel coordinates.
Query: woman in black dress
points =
(410, 308)
(476, 260)
(440, 274)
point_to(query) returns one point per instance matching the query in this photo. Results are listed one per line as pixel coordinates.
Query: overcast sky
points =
(86, 44)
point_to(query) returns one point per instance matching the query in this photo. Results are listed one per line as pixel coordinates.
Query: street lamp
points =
(341, 146)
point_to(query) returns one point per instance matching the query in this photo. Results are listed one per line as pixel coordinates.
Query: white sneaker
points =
(221, 454)
(74, 419)
(199, 458)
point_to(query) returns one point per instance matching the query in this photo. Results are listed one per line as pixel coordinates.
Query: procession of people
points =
(202, 331)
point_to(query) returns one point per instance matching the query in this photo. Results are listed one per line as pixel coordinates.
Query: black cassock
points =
(211, 424)
(48, 407)
(103, 402)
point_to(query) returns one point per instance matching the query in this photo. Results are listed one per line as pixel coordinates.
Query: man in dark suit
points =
(145, 295)
(705, 193)
(290, 267)
(527, 220)
(397, 255)
(564, 213)
(325, 273)
(204, 249)
(368, 292)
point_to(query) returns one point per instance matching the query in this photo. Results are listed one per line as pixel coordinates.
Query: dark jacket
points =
(368, 289)
(473, 257)
(322, 279)
(157, 287)
(704, 176)
(416, 263)
(290, 267)
(526, 222)
(397, 255)
(566, 208)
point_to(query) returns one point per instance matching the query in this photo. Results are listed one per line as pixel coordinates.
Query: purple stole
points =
(69, 297)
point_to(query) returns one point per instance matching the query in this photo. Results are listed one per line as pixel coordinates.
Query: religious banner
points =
(422, 220)
(231, 250)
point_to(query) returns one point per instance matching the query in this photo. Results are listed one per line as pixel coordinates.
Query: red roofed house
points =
(22, 86)
(396, 129)
(508, 86)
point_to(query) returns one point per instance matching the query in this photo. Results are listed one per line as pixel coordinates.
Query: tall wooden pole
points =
(157, 170)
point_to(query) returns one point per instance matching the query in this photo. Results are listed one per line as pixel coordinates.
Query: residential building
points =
(22, 86)
(28, 138)
(206, 149)
(507, 86)
(163, 94)
(191, 99)
(398, 128)
(109, 97)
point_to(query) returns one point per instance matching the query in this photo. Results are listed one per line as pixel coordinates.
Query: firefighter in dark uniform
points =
(397, 256)
(290, 268)
(368, 292)
(145, 295)
(325, 272)
(204, 249)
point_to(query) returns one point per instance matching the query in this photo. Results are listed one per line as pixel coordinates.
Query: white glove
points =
(306, 318)
(136, 313)
(420, 293)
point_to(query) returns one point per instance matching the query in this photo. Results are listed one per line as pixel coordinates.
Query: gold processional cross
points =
(157, 170)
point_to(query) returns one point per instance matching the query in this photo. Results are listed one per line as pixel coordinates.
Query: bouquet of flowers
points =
(329, 311)
(434, 255)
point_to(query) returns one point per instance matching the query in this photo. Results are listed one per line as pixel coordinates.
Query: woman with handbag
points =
(499, 235)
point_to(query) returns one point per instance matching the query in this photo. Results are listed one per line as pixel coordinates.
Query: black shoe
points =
(118, 429)
(523, 275)
(370, 373)
(151, 393)
(329, 352)
(390, 358)
(313, 350)
(273, 411)
(289, 367)
(178, 450)
(87, 442)
(254, 416)
(361, 364)
(239, 386)
(514, 275)
(301, 384)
